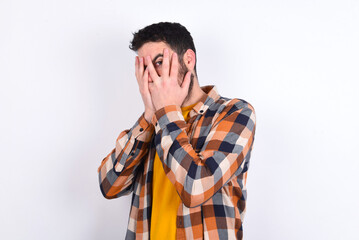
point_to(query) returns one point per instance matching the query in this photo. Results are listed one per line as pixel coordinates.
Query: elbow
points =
(110, 196)
(104, 193)
(106, 189)
(112, 193)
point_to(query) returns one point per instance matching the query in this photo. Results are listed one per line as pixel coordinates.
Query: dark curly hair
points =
(174, 34)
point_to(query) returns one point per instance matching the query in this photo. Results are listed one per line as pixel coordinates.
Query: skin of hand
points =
(165, 89)
(142, 80)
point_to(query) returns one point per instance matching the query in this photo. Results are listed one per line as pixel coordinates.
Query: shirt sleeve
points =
(197, 176)
(119, 168)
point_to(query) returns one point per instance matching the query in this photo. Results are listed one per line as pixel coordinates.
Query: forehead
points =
(152, 49)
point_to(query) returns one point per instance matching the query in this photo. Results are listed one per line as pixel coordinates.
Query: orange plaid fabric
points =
(206, 159)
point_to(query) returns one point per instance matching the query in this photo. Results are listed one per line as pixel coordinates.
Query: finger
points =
(145, 80)
(186, 82)
(141, 67)
(165, 63)
(151, 70)
(136, 67)
(148, 81)
(174, 66)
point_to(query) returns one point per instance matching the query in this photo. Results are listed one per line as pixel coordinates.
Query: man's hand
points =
(165, 90)
(142, 79)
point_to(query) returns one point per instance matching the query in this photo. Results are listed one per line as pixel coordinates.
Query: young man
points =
(186, 158)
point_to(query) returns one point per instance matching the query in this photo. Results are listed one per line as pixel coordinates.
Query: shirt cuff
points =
(167, 115)
(143, 130)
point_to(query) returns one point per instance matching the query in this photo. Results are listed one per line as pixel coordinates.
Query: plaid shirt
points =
(206, 159)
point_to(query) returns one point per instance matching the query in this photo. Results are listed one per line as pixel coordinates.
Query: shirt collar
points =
(203, 104)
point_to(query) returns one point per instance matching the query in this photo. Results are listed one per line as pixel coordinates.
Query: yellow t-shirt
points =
(165, 199)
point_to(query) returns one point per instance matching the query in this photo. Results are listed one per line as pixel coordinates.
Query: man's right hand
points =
(142, 80)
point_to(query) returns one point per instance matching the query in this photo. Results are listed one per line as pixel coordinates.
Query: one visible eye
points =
(158, 63)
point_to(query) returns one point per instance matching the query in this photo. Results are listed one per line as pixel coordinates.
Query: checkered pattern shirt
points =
(206, 159)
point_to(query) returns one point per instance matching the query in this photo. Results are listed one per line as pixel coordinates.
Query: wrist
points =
(148, 116)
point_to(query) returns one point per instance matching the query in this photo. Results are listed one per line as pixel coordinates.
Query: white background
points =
(68, 89)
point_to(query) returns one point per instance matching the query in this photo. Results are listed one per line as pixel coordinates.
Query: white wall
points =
(68, 89)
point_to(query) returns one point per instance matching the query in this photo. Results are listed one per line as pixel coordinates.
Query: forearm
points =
(118, 168)
(197, 175)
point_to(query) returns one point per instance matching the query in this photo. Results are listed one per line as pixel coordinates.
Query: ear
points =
(189, 59)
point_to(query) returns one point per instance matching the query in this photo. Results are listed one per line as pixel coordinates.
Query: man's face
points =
(155, 51)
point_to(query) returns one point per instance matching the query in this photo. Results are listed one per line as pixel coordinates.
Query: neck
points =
(195, 95)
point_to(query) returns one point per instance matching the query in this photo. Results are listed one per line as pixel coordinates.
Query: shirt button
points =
(201, 111)
(156, 124)
(141, 129)
(132, 153)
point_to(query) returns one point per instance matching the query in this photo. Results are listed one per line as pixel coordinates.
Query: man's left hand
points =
(165, 89)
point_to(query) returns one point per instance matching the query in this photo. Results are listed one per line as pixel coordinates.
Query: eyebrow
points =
(157, 56)
(154, 59)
